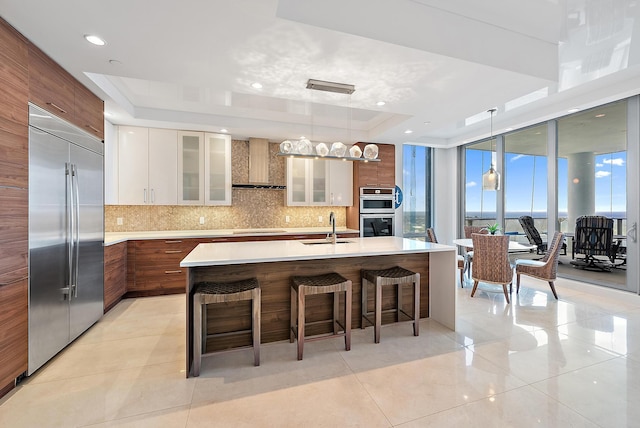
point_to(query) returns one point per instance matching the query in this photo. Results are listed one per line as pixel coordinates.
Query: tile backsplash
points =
(251, 208)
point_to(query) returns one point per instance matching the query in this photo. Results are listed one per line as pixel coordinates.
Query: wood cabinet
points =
(88, 111)
(147, 166)
(115, 274)
(14, 234)
(14, 330)
(50, 86)
(55, 90)
(371, 174)
(153, 266)
(318, 182)
(377, 174)
(14, 112)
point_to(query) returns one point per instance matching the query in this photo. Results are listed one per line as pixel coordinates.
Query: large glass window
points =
(416, 205)
(480, 205)
(525, 178)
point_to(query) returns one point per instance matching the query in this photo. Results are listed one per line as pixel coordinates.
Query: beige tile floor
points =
(536, 362)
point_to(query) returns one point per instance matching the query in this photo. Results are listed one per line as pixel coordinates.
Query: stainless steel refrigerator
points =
(66, 234)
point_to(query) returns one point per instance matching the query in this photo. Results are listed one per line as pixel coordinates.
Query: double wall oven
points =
(377, 211)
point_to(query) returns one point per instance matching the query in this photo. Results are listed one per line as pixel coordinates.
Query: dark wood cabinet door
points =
(387, 165)
(14, 113)
(14, 229)
(14, 330)
(89, 111)
(115, 274)
(50, 86)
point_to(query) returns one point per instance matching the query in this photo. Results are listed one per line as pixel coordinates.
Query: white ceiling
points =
(438, 65)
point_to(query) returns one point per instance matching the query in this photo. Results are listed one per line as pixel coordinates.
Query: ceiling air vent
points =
(321, 85)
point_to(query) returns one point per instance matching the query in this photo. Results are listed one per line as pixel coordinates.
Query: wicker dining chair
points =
(544, 269)
(468, 255)
(491, 262)
(431, 237)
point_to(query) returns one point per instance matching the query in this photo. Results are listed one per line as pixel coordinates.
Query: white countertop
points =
(111, 238)
(229, 253)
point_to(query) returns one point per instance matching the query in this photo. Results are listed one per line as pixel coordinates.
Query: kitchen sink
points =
(324, 241)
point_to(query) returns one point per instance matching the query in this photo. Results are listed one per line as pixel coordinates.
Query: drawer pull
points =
(172, 271)
(172, 251)
(96, 130)
(57, 107)
(173, 242)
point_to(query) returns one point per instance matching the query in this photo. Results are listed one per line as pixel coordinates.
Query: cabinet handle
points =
(145, 196)
(153, 196)
(172, 271)
(173, 242)
(172, 251)
(96, 130)
(57, 107)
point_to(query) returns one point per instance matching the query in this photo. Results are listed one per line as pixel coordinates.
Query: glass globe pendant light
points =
(491, 178)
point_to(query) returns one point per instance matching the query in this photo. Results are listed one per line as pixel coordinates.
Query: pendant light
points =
(491, 178)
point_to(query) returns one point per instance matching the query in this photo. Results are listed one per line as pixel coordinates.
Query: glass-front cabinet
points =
(307, 182)
(190, 168)
(218, 169)
(204, 168)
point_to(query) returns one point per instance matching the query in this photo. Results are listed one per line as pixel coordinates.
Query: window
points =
(480, 205)
(416, 178)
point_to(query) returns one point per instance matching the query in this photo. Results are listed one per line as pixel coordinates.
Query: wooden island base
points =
(275, 280)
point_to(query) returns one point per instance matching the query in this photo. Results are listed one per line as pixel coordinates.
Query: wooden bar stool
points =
(221, 292)
(302, 286)
(394, 276)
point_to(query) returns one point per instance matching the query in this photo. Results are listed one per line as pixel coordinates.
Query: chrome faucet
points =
(332, 220)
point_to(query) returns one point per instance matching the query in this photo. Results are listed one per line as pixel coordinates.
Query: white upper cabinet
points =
(147, 166)
(340, 183)
(319, 182)
(217, 166)
(190, 168)
(163, 166)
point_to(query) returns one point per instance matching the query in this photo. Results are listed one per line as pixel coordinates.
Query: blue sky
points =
(525, 182)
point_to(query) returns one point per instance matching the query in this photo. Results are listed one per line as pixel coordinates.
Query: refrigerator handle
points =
(66, 291)
(76, 205)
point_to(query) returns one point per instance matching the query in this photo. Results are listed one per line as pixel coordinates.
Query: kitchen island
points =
(274, 262)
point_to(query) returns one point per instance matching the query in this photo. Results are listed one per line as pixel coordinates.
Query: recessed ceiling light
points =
(256, 85)
(573, 110)
(224, 130)
(91, 38)
(600, 115)
(408, 131)
(380, 103)
(426, 122)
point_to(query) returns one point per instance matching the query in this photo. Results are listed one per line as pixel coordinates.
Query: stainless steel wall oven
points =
(377, 211)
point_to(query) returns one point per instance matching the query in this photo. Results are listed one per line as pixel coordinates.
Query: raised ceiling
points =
(438, 65)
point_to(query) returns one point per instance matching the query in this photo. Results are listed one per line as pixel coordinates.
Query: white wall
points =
(110, 163)
(445, 194)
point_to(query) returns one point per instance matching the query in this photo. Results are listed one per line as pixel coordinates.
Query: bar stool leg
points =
(203, 307)
(197, 335)
(347, 317)
(294, 314)
(301, 302)
(398, 301)
(255, 325)
(378, 314)
(416, 305)
(365, 285)
(336, 312)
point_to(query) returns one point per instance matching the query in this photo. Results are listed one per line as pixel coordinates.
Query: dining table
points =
(514, 246)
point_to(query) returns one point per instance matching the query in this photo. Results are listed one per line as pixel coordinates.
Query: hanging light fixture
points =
(491, 178)
(306, 149)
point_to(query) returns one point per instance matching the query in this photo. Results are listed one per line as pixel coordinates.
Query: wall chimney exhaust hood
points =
(258, 166)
